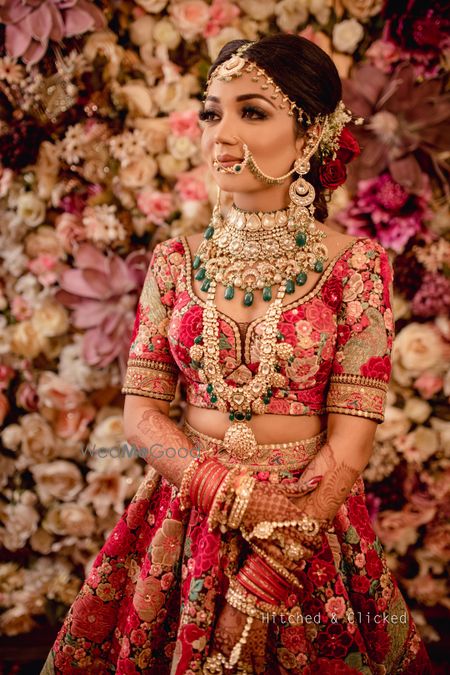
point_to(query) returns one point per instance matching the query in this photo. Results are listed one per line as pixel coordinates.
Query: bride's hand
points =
(228, 631)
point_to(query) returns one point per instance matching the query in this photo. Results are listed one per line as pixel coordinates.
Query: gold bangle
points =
(219, 496)
(243, 494)
(188, 474)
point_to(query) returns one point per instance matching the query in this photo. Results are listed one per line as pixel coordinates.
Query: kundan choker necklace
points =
(255, 251)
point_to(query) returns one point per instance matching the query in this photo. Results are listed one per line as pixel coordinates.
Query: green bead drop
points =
(248, 299)
(248, 415)
(300, 239)
(290, 286)
(267, 293)
(213, 398)
(198, 339)
(266, 399)
(196, 262)
(239, 416)
(209, 388)
(209, 232)
(205, 285)
(301, 278)
(231, 416)
(318, 266)
(229, 293)
(200, 274)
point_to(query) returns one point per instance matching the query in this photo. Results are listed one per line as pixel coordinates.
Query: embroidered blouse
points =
(341, 331)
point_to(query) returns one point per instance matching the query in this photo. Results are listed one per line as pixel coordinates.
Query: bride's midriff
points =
(267, 428)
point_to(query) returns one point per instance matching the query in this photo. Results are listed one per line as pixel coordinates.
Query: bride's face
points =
(240, 111)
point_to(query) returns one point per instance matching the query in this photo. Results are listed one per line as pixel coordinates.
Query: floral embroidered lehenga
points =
(151, 600)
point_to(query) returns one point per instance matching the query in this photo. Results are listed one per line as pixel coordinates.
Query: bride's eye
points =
(253, 112)
(207, 115)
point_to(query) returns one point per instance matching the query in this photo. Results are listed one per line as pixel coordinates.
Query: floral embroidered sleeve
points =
(362, 363)
(151, 369)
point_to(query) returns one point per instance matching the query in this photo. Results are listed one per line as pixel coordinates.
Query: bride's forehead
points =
(227, 90)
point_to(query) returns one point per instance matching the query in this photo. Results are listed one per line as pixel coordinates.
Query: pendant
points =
(240, 441)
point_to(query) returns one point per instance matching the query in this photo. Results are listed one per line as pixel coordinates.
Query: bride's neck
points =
(271, 199)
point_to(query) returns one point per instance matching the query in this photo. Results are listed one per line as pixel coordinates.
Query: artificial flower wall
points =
(100, 160)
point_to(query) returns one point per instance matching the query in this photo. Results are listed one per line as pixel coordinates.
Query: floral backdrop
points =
(100, 160)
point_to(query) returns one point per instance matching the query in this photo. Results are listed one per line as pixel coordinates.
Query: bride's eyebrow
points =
(242, 97)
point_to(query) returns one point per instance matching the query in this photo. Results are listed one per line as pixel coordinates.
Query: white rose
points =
(258, 10)
(41, 541)
(291, 14)
(57, 480)
(30, 209)
(169, 167)
(16, 621)
(105, 490)
(155, 132)
(401, 307)
(38, 440)
(165, 33)
(169, 96)
(347, 35)
(418, 348)
(321, 10)
(218, 41)
(26, 340)
(104, 43)
(44, 240)
(138, 173)
(181, 147)
(417, 410)
(152, 6)
(426, 442)
(443, 429)
(47, 168)
(50, 319)
(136, 97)
(190, 17)
(363, 9)
(70, 519)
(141, 30)
(395, 424)
(20, 523)
(12, 436)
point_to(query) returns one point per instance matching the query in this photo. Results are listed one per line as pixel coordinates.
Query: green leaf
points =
(351, 536)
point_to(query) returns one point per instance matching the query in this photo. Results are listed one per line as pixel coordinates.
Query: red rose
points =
(332, 293)
(374, 566)
(348, 147)
(333, 174)
(205, 549)
(92, 617)
(377, 367)
(359, 518)
(360, 583)
(191, 326)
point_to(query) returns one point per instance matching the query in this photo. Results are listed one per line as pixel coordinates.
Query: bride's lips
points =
(228, 160)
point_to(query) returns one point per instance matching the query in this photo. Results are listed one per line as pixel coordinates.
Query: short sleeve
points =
(365, 332)
(151, 370)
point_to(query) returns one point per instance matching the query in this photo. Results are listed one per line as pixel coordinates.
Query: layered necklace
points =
(253, 252)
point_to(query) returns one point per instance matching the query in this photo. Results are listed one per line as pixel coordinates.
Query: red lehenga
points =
(151, 600)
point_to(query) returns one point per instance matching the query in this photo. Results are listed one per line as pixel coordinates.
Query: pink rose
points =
(428, 384)
(191, 186)
(190, 17)
(185, 123)
(222, 13)
(70, 231)
(156, 205)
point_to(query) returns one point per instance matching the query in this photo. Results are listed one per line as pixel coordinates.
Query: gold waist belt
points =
(268, 457)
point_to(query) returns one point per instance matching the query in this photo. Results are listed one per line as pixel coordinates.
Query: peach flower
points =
(57, 480)
(70, 231)
(185, 123)
(70, 519)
